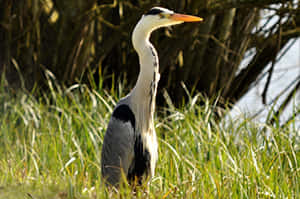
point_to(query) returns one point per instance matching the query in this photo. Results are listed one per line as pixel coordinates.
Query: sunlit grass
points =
(50, 148)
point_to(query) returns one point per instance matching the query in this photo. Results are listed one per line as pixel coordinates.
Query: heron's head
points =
(159, 17)
(156, 18)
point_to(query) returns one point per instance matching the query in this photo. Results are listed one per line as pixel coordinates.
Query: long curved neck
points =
(144, 93)
(148, 59)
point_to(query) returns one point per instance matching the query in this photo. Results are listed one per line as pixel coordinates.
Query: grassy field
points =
(50, 148)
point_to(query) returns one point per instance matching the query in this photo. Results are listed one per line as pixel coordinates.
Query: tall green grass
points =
(50, 148)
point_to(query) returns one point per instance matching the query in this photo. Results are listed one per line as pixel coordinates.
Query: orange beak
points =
(185, 18)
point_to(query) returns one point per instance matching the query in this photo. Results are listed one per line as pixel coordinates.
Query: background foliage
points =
(87, 40)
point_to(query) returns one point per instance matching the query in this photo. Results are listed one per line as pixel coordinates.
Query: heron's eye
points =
(164, 15)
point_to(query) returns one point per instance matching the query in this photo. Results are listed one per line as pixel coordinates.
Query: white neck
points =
(144, 93)
(148, 60)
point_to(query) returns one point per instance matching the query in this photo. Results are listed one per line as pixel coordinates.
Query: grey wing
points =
(117, 150)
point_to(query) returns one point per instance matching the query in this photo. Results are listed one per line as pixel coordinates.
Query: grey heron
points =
(130, 144)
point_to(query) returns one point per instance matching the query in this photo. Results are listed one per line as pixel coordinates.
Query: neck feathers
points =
(148, 59)
(144, 93)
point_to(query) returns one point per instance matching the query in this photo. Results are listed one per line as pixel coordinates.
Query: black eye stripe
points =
(154, 11)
